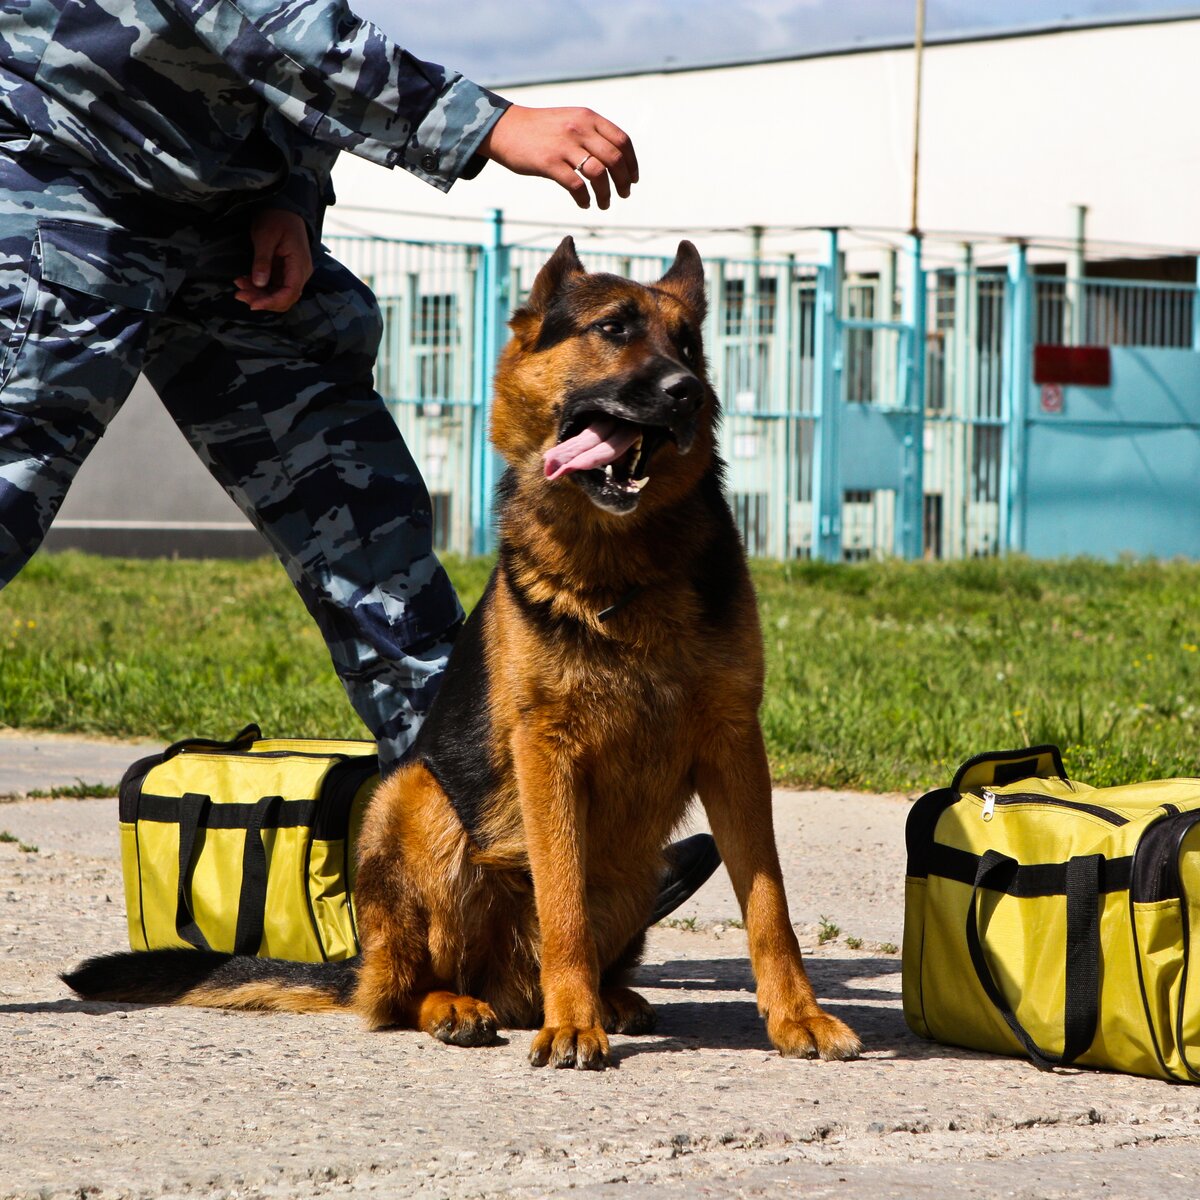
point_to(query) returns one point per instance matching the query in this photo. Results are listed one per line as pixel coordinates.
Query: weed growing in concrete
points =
(24, 847)
(79, 790)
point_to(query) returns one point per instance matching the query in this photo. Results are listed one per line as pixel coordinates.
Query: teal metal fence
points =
(866, 414)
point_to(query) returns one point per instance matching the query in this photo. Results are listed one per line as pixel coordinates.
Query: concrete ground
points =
(105, 1101)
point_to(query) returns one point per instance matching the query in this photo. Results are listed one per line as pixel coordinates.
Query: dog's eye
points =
(611, 328)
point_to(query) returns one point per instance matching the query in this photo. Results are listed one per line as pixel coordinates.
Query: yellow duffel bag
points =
(1048, 918)
(245, 846)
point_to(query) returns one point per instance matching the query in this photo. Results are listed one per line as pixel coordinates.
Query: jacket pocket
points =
(111, 264)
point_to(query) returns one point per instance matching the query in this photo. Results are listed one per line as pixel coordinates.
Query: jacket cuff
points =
(443, 147)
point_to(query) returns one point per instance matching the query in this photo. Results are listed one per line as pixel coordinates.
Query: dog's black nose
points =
(686, 392)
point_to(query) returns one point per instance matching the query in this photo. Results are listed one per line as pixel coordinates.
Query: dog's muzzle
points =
(606, 442)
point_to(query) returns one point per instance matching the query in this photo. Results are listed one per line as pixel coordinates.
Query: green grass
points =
(888, 675)
(880, 676)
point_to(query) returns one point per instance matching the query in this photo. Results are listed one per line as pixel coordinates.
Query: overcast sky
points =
(512, 41)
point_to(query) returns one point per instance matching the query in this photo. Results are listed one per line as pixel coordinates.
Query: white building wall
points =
(1016, 131)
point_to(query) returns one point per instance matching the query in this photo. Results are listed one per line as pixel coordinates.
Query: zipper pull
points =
(989, 804)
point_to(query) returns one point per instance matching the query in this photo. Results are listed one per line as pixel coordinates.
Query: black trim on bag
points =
(1011, 765)
(291, 814)
(1185, 926)
(1156, 859)
(136, 772)
(130, 788)
(1137, 951)
(340, 786)
(1024, 881)
(1158, 879)
(331, 823)
(918, 829)
(240, 740)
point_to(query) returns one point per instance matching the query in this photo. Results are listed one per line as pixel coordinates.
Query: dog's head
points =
(602, 389)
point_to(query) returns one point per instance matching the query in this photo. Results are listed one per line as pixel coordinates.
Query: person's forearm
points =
(342, 81)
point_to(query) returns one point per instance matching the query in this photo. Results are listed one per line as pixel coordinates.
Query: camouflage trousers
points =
(281, 408)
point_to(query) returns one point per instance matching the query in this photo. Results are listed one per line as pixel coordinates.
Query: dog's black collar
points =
(543, 609)
(611, 611)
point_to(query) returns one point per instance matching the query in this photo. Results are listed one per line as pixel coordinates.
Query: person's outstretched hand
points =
(282, 261)
(572, 146)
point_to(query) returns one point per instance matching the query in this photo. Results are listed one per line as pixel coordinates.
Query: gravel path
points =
(101, 1101)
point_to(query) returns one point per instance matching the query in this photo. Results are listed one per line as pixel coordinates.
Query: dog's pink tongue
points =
(601, 443)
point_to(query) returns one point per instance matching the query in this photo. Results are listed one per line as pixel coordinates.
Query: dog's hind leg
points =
(625, 1011)
(454, 1019)
(734, 783)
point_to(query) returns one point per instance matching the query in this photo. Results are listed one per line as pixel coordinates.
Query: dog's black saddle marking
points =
(454, 743)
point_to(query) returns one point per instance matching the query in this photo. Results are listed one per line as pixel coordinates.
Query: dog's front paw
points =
(586, 1049)
(813, 1035)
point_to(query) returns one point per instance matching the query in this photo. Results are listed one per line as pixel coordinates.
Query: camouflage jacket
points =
(212, 102)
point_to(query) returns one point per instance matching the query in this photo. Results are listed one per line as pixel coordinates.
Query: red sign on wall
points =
(1083, 366)
(1052, 398)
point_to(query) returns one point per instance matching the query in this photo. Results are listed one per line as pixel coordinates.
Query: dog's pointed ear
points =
(685, 279)
(561, 266)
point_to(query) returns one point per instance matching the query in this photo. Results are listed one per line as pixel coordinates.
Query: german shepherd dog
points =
(612, 671)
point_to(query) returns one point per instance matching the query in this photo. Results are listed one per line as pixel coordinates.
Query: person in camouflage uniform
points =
(151, 153)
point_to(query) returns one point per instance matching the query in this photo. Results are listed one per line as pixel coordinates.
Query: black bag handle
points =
(1082, 1002)
(252, 902)
(193, 807)
(242, 740)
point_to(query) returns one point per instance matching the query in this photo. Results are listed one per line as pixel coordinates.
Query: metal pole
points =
(1017, 372)
(493, 316)
(910, 529)
(1076, 269)
(914, 226)
(827, 404)
(752, 320)
(1196, 309)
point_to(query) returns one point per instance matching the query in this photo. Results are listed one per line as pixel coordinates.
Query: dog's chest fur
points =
(621, 702)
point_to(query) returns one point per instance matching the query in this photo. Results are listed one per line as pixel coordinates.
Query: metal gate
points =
(870, 386)
(881, 413)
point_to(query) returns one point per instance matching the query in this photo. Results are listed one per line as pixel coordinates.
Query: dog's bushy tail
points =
(208, 979)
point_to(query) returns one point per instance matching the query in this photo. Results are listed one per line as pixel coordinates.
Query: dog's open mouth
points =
(609, 457)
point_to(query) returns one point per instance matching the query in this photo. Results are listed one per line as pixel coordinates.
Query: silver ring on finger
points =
(587, 158)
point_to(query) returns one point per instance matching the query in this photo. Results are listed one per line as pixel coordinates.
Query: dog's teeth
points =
(636, 485)
(608, 471)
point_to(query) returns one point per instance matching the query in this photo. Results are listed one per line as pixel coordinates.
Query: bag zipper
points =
(990, 800)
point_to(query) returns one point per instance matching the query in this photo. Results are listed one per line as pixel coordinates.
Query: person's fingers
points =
(266, 240)
(604, 153)
(622, 143)
(287, 273)
(563, 174)
(293, 277)
(596, 173)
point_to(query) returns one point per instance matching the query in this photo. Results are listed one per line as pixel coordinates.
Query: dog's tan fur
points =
(601, 731)
(594, 734)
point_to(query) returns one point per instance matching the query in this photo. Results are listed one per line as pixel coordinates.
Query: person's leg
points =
(75, 297)
(282, 409)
